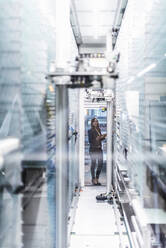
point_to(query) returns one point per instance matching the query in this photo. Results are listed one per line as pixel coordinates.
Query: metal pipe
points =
(75, 23)
(1, 161)
(109, 145)
(61, 165)
(118, 222)
(129, 232)
(81, 138)
(118, 15)
(138, 233)
(114, 166)
(72, 214)
(136, 245)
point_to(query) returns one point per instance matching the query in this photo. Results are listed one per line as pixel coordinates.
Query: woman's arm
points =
(101, 137)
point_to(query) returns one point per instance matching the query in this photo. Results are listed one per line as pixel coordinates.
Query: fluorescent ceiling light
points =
(150, 67)
(130, 80)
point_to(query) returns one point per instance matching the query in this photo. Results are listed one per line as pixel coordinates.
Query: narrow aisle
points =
(95, 223)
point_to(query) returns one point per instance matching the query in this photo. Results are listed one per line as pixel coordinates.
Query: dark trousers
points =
(96, 156)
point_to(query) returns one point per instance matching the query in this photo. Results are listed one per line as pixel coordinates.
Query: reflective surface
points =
(141, 112)
(27, 115)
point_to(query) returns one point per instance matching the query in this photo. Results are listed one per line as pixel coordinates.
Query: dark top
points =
(92, 135)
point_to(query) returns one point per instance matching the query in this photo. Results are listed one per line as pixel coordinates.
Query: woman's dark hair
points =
(93, 121)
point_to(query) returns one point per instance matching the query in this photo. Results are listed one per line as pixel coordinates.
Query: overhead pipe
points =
(109, 145)
(75, 23)
(121, 6)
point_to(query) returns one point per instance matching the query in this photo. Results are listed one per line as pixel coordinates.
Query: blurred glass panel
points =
(10, 124)
(141, 128)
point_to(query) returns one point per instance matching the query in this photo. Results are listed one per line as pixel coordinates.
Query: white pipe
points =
(138, 233)
(149, 68)
(109, 145)
(117, 216)
(135, 240)
(81, 138)
(120, 4)
(1, 162)
(61, 165)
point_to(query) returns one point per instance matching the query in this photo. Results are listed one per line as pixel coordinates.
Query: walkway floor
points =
(95, 223)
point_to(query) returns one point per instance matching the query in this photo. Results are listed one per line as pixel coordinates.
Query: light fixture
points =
(150, 67)
(130, 80)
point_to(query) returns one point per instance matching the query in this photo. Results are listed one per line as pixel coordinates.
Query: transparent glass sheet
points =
(140, 138)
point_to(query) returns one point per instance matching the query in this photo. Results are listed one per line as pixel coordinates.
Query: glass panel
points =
(141, 114)
(10, 119)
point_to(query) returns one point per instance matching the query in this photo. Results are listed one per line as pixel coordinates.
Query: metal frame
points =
(61, 164)
(62, 73)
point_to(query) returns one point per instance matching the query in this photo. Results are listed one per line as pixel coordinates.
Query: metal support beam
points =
(109, 145)
(61, 165)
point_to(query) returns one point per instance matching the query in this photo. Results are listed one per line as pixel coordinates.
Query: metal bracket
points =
(79, 79)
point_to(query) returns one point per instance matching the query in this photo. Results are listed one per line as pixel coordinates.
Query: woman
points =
(96, 152)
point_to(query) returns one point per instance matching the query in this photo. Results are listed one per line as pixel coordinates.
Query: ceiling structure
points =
(92, 19)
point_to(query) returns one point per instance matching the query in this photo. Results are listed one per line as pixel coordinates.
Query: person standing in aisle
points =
(96, 153)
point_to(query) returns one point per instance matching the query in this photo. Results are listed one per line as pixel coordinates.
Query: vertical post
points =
(62, 49)
(61, 165)
(109, 144)
(81, 138)
(109, 119)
